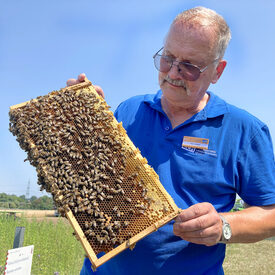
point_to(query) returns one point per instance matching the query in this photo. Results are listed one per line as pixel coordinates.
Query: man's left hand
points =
(200, 224)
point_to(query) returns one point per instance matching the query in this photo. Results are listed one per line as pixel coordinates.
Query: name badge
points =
(195, 142)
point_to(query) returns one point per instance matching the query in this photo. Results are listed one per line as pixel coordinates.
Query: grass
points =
(256, 258)
(56, 250)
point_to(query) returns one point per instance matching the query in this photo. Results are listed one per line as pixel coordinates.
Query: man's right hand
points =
(82, 78)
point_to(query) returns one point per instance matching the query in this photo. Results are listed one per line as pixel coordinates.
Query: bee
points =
(113, 240)
(118, 214)
(105, 240)
(92, 197)
(117, 225)
(148, 200)
(141, 212)
(144, 192)
(71, 204)
(128, 243)
(121, 191)
(92, 234)
(87, 225)
(118, 181)
(128, 199)
(108, 167)
(121, 171)
(101, 214)
(124, 162)
(86, 202)
(165, 209)
(104, 232)
(89, 210)
(93, 224)
(120, 241)
(134, 183)
(94, 203)
(118, 186)
(140, 185)
(99, 239)
(141, 206)
(99, 189)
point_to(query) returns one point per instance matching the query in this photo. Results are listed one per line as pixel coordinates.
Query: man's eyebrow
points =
(167, 52)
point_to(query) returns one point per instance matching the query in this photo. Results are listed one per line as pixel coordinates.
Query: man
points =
(235, 155)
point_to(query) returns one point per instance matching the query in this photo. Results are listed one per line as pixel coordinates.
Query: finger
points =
(205, 241)
(202, 222)
(209, 232)
(194, 211)
(81, 77)
(99, 90)
(71, 82)
(199, 223)
(208, 236)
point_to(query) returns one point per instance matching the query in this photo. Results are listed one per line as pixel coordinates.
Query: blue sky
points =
(44, 43)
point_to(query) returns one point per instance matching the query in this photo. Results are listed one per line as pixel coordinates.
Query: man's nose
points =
(174, 71)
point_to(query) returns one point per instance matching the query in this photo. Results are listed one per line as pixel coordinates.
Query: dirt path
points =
(29, 212)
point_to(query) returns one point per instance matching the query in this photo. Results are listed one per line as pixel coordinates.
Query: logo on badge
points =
(195, 142)
(197, 146)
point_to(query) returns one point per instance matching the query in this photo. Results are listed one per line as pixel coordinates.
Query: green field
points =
(256, 258)
(56, 251)
(55, 248)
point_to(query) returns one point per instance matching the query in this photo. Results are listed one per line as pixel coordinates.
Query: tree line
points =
(21, 202)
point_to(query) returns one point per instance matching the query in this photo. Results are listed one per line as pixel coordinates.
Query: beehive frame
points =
(127, 197)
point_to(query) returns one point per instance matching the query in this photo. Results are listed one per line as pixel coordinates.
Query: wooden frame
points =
(154, 181)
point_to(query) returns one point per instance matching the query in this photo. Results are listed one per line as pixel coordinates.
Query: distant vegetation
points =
(46, 203)
(21, 202)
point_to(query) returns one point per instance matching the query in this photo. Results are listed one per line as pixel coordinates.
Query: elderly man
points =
(204, 150)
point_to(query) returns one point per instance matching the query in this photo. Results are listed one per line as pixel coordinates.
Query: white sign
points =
(19, 261)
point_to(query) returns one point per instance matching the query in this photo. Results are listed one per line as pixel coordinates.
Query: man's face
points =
(195, 47)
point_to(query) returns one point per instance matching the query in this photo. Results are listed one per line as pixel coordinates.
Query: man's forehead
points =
(191, 40)
(193, 30)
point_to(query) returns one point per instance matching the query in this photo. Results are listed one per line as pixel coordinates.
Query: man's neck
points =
(178, 114)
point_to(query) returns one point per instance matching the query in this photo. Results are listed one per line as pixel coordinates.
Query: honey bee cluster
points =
(81, 160)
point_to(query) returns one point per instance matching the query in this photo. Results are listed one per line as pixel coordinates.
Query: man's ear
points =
(219, 71)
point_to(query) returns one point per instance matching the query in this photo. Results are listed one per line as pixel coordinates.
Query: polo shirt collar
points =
(214, 108)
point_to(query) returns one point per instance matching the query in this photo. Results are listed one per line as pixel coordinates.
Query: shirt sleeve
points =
(256, 169)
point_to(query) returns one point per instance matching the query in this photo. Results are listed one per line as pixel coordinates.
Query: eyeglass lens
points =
(164, 63)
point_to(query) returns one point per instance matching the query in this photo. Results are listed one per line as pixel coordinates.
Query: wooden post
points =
(19, 237)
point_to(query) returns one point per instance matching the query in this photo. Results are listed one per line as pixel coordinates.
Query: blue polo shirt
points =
(239, 159)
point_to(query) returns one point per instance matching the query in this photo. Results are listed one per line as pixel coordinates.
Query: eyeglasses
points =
(188, 71)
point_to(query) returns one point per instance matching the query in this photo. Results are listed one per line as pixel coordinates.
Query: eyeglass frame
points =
(184, 63)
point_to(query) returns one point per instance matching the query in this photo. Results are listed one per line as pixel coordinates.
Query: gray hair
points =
(204, 17)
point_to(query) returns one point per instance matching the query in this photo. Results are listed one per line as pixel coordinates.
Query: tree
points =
(33, 198)
(12, 201)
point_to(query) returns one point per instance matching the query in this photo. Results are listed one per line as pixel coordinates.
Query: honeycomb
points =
(97, 177)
